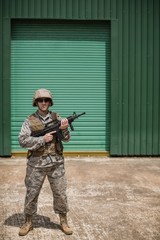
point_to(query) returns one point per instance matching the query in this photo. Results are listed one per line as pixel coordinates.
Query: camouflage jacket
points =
(41, 154)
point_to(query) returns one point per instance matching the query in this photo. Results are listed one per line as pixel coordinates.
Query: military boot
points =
(27, 226)
(64, 224)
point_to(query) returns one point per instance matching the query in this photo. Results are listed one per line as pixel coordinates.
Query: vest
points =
(53, 147)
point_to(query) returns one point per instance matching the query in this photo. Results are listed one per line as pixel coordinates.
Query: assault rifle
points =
(55, 127)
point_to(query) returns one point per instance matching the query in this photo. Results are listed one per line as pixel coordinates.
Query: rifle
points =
(56, 126)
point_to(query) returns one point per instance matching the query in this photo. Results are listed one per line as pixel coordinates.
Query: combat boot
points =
(64, 224)
(27, 226)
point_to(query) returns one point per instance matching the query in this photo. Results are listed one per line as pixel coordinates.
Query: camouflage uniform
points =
(44, 159)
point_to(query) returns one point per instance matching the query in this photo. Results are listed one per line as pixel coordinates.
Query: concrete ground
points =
(109, 199)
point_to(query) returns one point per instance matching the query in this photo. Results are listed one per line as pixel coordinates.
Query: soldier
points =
(45, 158)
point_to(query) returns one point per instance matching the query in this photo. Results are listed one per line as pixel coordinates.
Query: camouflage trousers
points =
(34, 181)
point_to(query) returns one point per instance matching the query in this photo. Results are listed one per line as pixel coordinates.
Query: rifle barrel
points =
(81, 114)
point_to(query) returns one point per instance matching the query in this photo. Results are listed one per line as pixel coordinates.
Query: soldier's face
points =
(43, 104)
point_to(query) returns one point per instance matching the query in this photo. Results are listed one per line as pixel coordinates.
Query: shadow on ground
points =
(39, 221)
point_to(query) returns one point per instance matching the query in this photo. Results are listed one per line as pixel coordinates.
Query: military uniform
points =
(44, 159)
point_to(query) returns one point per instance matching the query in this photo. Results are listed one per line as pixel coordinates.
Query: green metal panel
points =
(114, 85)
(125, 79)
(137, 92)
(6, 143)
(150, 75)
(73, 60)
(156, 77)
(1, 78)
(139, 87)
(135, 126)
(60, 9)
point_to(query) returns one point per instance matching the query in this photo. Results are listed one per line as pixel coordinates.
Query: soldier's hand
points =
(64, 123)
(48, 137)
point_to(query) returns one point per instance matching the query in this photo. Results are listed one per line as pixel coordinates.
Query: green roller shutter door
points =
(72, 59)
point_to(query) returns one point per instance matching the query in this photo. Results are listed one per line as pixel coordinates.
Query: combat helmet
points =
(42, 93)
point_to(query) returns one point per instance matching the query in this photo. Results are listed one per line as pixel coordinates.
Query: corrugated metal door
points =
(72, 59)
